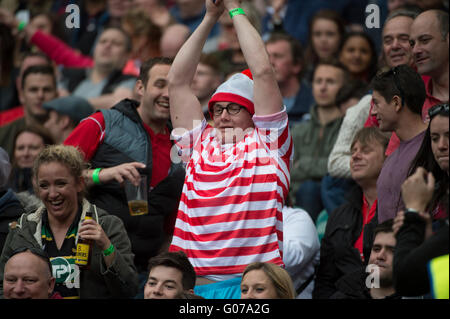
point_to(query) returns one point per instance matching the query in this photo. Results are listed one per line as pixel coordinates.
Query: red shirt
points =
(368, 214)
(90, 133)
(430, 100)
(11, 115)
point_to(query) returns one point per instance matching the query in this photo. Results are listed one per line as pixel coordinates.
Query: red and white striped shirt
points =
(233, 194)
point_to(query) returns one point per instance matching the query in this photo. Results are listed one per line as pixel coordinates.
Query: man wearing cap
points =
(237, 171)
(64, 114)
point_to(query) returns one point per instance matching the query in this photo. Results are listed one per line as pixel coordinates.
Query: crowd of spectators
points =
(291, 149)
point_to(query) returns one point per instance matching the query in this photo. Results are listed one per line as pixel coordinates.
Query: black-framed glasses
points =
(231, 108)
(395, 72)
(436, 109)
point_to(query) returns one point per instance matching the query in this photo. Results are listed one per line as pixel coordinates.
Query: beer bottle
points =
(84, 249)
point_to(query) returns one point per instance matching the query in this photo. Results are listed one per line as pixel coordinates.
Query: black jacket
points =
(412, 255)
(338, 257)
(10, 210)
(74, 76)
(146, 232)
(353, 286)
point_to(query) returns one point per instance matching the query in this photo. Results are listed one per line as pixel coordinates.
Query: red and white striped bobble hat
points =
(237, 89)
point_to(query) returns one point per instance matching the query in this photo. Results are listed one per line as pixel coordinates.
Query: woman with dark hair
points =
(28, 142)
(326, 31)
(359, 55)
(422, 229)
(433, 157)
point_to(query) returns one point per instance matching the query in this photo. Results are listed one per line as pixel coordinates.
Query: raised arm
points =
(267, 97)
(185, 108)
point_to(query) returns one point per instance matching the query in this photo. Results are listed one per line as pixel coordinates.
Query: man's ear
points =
(397, 102)
(140, 88)
(51, 286)
(65, 121)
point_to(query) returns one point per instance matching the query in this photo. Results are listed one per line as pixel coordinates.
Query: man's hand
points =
(214, 8)
(400, 219)
(277, 5)
(398, 222)
(121, 172)
(417, 190)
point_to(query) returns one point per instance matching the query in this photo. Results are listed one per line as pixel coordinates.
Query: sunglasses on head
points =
(395, 72)
(436, 109)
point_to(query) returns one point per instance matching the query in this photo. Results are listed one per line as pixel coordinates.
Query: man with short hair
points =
(345, 245)
(314, 139)
(38, 86)
(130, 139)
(64, 114)
(382, 256)
(173, 39)
(104, 84)
(286, 56)
(28, 275)
(98, 79)
(398, 96)
(430, 43)
(396, 51)
(396, 36)
(17, 110)
(170, 275)
(376, 280)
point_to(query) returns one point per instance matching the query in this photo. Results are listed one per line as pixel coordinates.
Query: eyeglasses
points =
(436, 109)
(395, 72)
(232, 109)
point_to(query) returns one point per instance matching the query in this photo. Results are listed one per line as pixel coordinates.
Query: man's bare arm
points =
(184, 105)
(267, 96)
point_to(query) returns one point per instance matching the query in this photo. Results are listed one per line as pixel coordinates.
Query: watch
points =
(411, 210)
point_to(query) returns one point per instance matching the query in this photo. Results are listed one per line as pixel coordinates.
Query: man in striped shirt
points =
(237, 173)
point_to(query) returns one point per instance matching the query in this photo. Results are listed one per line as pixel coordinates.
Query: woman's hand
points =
(398, 222)
(400, 219)
(91, 230)
(417, 190)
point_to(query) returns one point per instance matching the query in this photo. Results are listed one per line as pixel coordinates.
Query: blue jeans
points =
(309, 198)
(333, 191)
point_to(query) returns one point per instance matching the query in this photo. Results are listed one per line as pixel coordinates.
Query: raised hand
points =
(122, 172)
(214, 8)
(417, 190)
